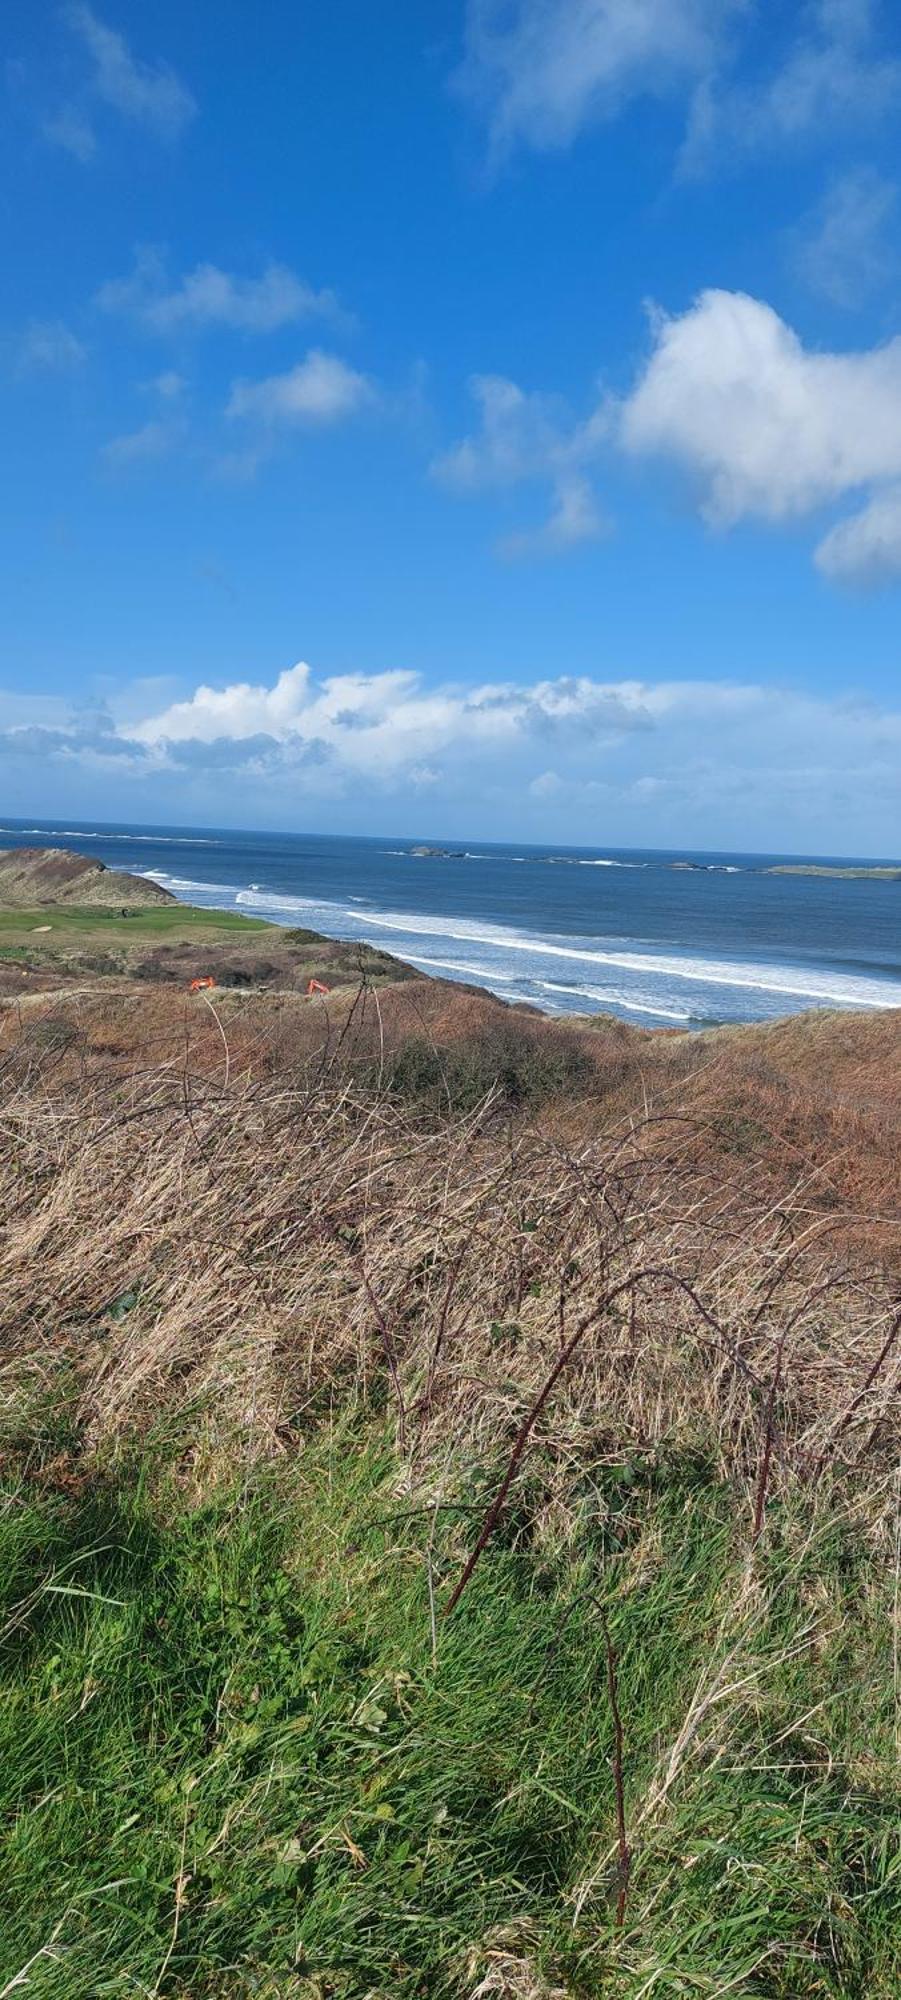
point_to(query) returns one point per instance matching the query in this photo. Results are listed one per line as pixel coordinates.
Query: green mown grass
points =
(172, 923)
(234, 1761)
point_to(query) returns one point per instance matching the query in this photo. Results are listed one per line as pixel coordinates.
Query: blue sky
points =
(480, 418)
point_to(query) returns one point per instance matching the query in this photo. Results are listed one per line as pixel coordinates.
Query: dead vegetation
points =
(493, 1490)
(234, 1204)
(54, 875)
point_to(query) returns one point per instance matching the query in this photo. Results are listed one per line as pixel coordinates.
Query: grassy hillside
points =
(451, 1514)
(174, 943)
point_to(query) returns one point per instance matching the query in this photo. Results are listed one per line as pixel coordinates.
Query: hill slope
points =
(44, 876)
(449, 1515)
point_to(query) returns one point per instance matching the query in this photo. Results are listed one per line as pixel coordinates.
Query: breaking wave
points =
(76, 833)
(562, 973)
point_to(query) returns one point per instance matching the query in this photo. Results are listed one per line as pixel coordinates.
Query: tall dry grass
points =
(260, 1227)
(638, 1344)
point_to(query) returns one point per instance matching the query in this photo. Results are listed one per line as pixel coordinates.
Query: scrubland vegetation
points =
(450, 1516)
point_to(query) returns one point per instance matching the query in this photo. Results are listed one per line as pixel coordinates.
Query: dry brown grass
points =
(217, 1205)
(640, 1350)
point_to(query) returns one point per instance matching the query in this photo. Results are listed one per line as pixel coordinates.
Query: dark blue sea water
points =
(637, 934)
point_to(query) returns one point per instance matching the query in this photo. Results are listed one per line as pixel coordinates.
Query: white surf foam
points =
(221, 894)
(76, 833)
(450, 965)
(794, 982)
(613, 996)
(290, 906)
(495, 948)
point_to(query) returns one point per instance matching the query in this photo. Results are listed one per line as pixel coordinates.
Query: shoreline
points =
(584, 954)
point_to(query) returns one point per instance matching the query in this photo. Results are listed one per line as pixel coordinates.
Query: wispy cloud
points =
(833, 74)
(321, 390)
(73, 132)
(527, 438)
(153, 440)
(210, 297)
(844, 247)
(169, 385)
(540, 70)
(575, 518)
(50, 346)
(865, 550)
(148, 93)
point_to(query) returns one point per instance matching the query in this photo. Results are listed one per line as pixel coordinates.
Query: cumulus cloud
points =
(526, 437)
(661, 762)
(766, 427)
(209, 296)
(50, 346)
(541, 69)
(148, 93)
(842, 247)
(378, 724)
(321, 390)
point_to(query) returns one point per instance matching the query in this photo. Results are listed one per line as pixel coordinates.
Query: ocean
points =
(683, 939)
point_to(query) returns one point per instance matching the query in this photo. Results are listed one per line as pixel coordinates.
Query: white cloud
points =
(768, 428)
(541, 69)
(575, 517)
(547, 785)
(52, 346)
(209, 296)
(765, 427)
(240, 709)
(519, 435)
(663, 762)
(833, 74)
(169, 385)
(866, 549)
(322, 389)
(388, 722)
(152, 441)
(526, 437)
(149, 93)
(841, 248)
(71, 130)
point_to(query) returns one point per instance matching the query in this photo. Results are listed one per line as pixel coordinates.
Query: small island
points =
(438, 853)
(862, 874)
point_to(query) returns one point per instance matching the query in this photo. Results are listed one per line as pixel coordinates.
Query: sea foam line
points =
(75, 833)
(762, 978)
(614, 997)
(789, 983)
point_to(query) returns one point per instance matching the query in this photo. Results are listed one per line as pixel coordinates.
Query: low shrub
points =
(517, 1066)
